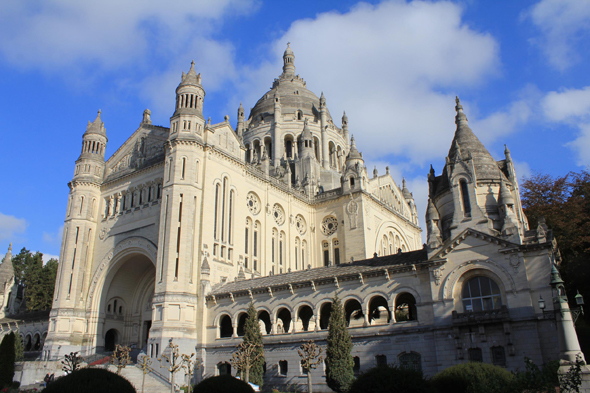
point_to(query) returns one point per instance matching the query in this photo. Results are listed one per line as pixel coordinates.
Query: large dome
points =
(292, 92)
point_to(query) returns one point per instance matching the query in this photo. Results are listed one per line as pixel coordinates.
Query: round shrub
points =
(90, 380)
(473, 378)
(222, 384)
(391, 379)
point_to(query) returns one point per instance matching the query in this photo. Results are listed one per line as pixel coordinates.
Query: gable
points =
(224, 138)
(144, 148)
(472, 240)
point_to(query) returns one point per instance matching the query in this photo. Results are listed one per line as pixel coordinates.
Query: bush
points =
(391, 379)
(473, 377)
(222, 384)
(90, 380)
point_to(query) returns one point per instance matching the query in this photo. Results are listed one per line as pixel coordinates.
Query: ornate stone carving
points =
(253, 203)
(329, 225)
(437, 274)
(515, 261)
(352, 210)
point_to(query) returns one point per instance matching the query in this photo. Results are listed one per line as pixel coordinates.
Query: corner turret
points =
(288, 61)
(187, 121)
(90, 165)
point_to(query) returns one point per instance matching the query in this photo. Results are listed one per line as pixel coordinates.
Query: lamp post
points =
(569, 347)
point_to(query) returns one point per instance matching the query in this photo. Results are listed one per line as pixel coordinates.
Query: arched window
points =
(242, 323)
(225, 327)
(325, 315)
(215, 209)
(405, 308)
(381, 360)
(326, 246)
(481, 294)
(353, 312)
(356, 368)
(475, 355)
(183, 168)
(247, 248)
(305, 319)
(378, 311)
(264, 322)
(498, 356)
(255, 246)
(465, 198)
(283, 321)
(303, 251)
(336, 245)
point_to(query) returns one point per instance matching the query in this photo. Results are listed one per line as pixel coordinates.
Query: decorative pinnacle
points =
(458, 106)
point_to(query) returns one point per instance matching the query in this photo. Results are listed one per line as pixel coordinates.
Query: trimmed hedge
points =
(90, 380)
(474, 377)
(391, 379)
(222, 384)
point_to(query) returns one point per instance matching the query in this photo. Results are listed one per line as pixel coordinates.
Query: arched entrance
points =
(110, 340)
(126, 301)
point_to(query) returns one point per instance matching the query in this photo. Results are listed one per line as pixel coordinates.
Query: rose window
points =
(253, 203)
(329, 225)
(300, 223)
(278, 213)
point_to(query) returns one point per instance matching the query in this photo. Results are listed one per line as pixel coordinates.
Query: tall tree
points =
(253, 337)
(339, 362)
(38, 280)
(7, 357)
(564, 203)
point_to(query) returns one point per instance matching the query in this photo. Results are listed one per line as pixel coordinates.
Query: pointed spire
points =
(191, 78)
(354, 153)
(507, 153)
(8, 256)
(96, 127)
(466, 145)
(406, 193)
(322, 100)
(306, 134)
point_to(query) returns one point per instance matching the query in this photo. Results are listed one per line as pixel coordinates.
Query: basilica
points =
(183, 226)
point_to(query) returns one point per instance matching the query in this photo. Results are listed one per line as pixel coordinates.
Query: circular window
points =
(329, 225)
(253, 203)
(278, 213)
(300, 223)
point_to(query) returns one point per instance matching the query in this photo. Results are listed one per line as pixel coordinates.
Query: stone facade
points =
(182, 227)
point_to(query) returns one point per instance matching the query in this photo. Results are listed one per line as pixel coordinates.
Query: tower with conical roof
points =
(179, 214)
(79, 234)
(355, 174)
(6, 282)
(474, 191)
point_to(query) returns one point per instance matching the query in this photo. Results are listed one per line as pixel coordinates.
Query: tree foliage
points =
(38, 280)
(90, 380)
(564, 202)
(7, 357)
(19, 350)
(339, 362)
(121, 358)
(222, 384)
(474, 377)
(253, 337)
(391, 379)
(72, 362)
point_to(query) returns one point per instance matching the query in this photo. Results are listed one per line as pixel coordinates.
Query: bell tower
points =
(67, 320)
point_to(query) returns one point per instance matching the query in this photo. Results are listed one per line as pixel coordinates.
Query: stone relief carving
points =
(352, 209)
(515, 260)
(437, 274)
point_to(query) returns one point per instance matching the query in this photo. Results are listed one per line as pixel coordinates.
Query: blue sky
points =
(520, 68)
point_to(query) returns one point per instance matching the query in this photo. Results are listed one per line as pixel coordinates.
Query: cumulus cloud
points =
(390, 66)
(149, 41)
(572, 107)
(562, 24)
(11, 226)
(54, 238)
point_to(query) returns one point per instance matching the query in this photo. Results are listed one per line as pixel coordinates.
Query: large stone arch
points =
(127, 272)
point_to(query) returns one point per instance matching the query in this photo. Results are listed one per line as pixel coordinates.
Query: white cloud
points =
(563, 24)
(386, 65)
(10, 226)
(47, 257)
(572, 107)
(105, 34)
(54, 238)
(522, 169)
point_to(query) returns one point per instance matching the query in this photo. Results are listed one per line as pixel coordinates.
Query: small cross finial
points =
(288, 43)
(192, 62)
(457, 100)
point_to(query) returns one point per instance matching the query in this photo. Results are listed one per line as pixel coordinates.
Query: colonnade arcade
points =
(373, 310)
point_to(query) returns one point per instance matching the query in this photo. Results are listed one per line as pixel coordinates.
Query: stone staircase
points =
(133, 374)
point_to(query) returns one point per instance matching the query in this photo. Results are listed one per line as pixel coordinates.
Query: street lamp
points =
(541, 303)
(579, 310)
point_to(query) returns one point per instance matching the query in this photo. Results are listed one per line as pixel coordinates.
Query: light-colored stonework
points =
(182, 227)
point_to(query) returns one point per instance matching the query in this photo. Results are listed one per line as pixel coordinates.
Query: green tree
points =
(253, 338)
(38, 280)
(339, 362)
(7, 357)
(564, 204)
(19, 351)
